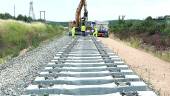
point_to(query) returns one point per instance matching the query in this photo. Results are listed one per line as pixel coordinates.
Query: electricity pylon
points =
(31, 11)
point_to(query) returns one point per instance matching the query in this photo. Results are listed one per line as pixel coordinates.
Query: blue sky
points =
(64, 10)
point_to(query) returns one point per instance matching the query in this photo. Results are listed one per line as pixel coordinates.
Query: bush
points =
(24, 18)
(6, 16)
(151, 31)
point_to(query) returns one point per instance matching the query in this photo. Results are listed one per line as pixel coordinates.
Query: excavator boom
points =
(78, 19)
(78, 12)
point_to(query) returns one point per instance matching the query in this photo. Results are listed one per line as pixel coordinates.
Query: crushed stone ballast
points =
(85, 67)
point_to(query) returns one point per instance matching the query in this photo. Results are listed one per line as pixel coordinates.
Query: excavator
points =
(78, 19)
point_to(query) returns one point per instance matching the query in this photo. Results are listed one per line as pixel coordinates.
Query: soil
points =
(153, 70)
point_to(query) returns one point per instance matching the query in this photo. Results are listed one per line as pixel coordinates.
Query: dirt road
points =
(149, 67)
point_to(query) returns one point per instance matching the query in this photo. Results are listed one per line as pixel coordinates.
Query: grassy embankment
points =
(152, 35)
(16, 36)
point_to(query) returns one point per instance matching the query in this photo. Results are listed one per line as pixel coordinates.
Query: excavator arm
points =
(78, 12)
(78, 19)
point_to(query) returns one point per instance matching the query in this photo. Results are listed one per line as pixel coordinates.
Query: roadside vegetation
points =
(17, 35)
(151, 34)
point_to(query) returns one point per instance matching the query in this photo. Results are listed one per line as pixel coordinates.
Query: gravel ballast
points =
(17, 73)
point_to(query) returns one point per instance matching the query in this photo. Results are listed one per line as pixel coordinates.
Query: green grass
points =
(163, 55)
(135, 42)
(1, 60)
(16, 36)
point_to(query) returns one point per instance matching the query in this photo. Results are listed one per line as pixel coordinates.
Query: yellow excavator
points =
(78, 19)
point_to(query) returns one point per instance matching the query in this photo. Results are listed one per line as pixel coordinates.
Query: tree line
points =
(19, 17)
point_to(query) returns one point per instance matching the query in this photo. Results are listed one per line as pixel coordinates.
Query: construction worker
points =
(73, 32)
(95, 33)
(83, 29)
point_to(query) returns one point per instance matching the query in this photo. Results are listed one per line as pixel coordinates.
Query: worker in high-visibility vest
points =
(73, 32)
(95, 33)
(83, 30)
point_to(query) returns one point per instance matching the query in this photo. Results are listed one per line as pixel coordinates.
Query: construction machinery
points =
(78, 19)
(103, 28)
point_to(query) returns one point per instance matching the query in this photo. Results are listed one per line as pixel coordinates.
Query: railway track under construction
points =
(85, 67)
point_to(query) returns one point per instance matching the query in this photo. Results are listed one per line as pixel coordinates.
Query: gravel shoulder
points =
(150, 68)
(20, 71)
